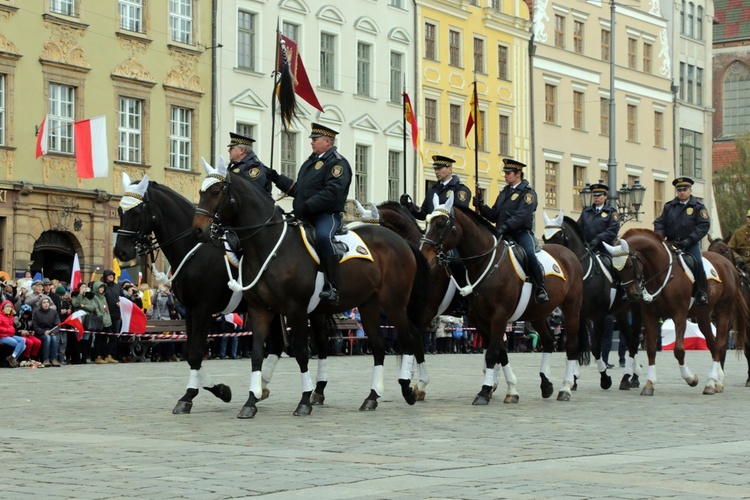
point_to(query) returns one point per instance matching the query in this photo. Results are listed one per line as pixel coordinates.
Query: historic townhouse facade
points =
(140, 63)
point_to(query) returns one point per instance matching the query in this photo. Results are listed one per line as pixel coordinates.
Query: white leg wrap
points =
(629, 363)
(686, 374)
(570, 370)
(424, 377)
(714, 372)
(205, 379)
(194, 380)
(721, 373)
(256, 379)
(496, 373)
(407, 365)
(601, 365)
(307, 384)
(544, 368)
(377, 380)
(510, 377)
(322, 375)
(489, 378)
(269, 365)
(636, 366)
(651, 376)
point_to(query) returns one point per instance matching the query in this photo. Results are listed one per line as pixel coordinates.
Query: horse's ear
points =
(125, 182)
(360, 209)
(624, 245)
(449, 203)
(710, 240)
(560, 218)
(208, 168)
(546, 219)
(609, 248)
(222, 166)
(143, 185)
(435, 201)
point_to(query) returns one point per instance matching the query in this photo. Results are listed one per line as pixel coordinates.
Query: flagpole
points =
(403, 105)
(273, 94)
(476, 135)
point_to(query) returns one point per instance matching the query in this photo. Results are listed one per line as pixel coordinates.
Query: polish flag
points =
(693, 341)
(234, 318)
(76, 321)
(41, 138)
(133, 318)
(91, 147)
(75, 276)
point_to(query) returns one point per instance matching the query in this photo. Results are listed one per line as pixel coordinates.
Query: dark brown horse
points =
(497, 294)
(653, 275)
(720, 246)
(282, 276)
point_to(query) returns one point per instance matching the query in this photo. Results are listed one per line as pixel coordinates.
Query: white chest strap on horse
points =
(650, 297)
(470, 287)
(163, 278)
(236, 286)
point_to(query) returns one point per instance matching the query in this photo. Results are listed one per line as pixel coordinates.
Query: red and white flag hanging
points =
(133, 318)
(693, 340)
(41, 138)
(75, 275)
(91, 147)
(234, 318)
(76, 321)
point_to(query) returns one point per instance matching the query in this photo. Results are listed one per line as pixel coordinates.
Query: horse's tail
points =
(740, 321)
(420, 288)
(584, 346)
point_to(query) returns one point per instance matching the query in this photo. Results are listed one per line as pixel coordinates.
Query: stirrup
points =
(701, 299)
(541, 297)
(330, 296)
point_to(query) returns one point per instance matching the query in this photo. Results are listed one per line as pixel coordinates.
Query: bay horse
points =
(720, 246)
(497, 294)
(283, 274)
(601, 296)
(653, 275)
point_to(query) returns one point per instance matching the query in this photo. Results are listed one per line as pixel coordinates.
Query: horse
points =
(497, 293)
(393, 277)
(654, 275)
(601, 296)
(720, 246)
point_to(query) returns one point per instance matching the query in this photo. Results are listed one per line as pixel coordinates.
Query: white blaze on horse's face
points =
(552, 226)
(620, 254)
(133, 193)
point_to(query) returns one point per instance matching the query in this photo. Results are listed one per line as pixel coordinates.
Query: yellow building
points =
(461, 41)
(142, 64)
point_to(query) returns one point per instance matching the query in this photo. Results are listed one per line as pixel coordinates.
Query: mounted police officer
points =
(447, 185)
(243, 160)
(684, 222)
(600, 221)
(740, 244)
(513, 214)
(319, 198)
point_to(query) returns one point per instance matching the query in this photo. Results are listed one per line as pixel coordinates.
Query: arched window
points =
(699, 23)
(736, 99)
(689, 20)
(682, 17)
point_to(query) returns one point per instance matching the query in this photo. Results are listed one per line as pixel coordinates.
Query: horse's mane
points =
(573, 225)
(262, 195)
(476, 218)
(406, 217)
(170, 192)
(643, 232)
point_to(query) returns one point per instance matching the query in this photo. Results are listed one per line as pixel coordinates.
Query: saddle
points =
(339, 247)
(349, 244)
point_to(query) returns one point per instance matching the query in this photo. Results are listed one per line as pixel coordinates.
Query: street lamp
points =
(587, 195)
(627, 200)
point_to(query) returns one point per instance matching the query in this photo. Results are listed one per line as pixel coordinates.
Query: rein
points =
(638, 271)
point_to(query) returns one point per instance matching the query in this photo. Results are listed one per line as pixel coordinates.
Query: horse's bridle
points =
(639, 276)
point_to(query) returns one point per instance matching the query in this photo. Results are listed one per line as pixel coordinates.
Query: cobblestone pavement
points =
(108, 432)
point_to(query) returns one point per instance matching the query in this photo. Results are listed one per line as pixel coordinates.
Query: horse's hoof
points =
(606, 381)
(747, 383)
(369, 405)
(719, 388)
(694, 382)
(647, 391)
(481, 400)
(223, 392)
(547, 387)
(420, 394)
(303, 410)
(625, 383)
(247, 412)
(409, 394)
(264, 394)
(709, 390)
(411, 397)
(182, 407)
(563, 396)
(511, 398)
(575, 383)
(635, 382)
(317, 399)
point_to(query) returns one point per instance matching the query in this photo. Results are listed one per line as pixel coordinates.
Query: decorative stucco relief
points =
(133, 45)
(6, 163)
(134, 70)
(665, 69)
(539, 22)
(8, 46)
(187, 185)
(63, 46)
(184, 75)
(58, 171)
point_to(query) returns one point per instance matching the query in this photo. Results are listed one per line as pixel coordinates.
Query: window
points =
(394, 181)
(578, 37)
(689, 89)
(181, 20)
(682, 17)
(579, 110)
(455, 125)
(246, 40)
(579, 180)
(658, 129)
(682, 80)
(632, 53)
(61, 117)
(648, 56)
(180, 138)
(699, 86)
(2, 110)
(604, 116)
(689, 20)
(691, 153)
(495, 5)
(504, 139)
(397, 4)
(550, 183)
(605, 45)
(245, 129)
(659, 189)
(65, 7)
(327, 53)
(430, 119)
(131, 15)
(699, 23)
(397, 77)
(291, 31)
(479, 55)
(289, 154)
(454, 48)
(429, 41)
(559, 31)
(361, 158)
(632, 122)
(363, 69)
(502, 62)
(550, 103)
(737, 99)
(130, 130)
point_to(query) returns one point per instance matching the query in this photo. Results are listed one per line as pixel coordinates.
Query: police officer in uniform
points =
(319, 198)
(243, 160)
(684, 222)
(740, 244)
(599, 222)
(513, 214)
(447, 185)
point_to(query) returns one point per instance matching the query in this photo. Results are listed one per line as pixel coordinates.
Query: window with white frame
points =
(578, 32)
(181, 20)
(429, 41)
(363, 68)
(648, 56)
(579, 110)
(289, 154)
(61, 117)
(327, 58)
(689, 90)
(658, 129)
(398, 4)
(455, 124)
(479, 55)
(579, 179)
(245, 129)
(394, 181)
(689, 20)
(659, 190)
(605, 44)
(430, 120)
(65, 7)
(180, 137)
(131, 15)
(504, 135)
(291, 31)
(130, 130)
(551, 173)
(397, 76)
(699, 23)
(691, 153)
(699, 86)
(361, 168)
(246, 40)
(559, 31)
(632, 53)
(2, 110)
(550, 103)
(454, 48)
